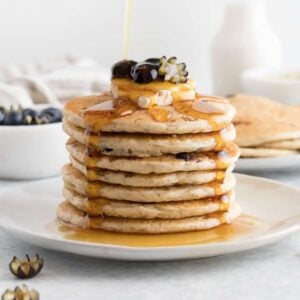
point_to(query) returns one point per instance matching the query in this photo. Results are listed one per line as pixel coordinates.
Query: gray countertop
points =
(271, 272)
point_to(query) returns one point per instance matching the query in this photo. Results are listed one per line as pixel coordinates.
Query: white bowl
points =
(32, 152)
(282, 85)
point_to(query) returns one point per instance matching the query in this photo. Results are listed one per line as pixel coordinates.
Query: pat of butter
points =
(162, 98)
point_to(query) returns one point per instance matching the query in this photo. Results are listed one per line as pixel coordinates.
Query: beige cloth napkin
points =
(51, 82)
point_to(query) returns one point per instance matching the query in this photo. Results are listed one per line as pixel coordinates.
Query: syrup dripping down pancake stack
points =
(149, 156)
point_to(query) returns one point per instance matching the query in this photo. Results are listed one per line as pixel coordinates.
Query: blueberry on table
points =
(122, 69)
(51, 115)
(144, 72)
(13, 118)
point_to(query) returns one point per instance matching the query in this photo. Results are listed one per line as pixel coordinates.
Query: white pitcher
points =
(245, 41)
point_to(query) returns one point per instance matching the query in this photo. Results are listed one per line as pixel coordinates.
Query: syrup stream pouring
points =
(127, 22)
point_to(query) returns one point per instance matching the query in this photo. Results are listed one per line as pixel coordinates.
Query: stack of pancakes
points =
(274, 131)
(135, 174)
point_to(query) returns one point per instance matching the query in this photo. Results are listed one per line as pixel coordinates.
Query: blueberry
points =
(50, 115)
(2, 109)
(13, 118)
(144, 72)
(43, 119)
(29, 116)
(122, 69)
(187, 156)
(2, 116)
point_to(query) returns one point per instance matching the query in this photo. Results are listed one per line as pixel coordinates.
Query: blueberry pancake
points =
(151, 155)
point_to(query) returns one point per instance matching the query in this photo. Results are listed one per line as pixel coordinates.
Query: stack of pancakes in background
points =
(144, 176)
(266, 128)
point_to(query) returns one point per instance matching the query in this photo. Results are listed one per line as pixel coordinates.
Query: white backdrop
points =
(35, 30)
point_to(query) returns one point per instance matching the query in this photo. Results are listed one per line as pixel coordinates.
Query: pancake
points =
(261, 120)
(141, 121)
(164, 210)
(265, 152)
(149, 180)
(77, 181)
(195, 161)
(143, 145)
(293, 144)
(70, 215)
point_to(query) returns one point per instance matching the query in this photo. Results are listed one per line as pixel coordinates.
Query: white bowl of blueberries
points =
(32, 142)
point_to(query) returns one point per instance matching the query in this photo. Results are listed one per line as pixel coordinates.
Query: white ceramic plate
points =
(268, 164)
(27, 209)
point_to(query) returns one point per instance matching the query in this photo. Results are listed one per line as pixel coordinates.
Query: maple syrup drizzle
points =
(127, 21)
(89, 161)
(129, 86)
(159, 114)
(217, 187)
(220, 164)
(95, 207)
(185, 107)
(95, 119)
(230, 150)
(132, 90)
(242, 226)
(224, 206)
(219, 141)
(97, 116)
(220, 175)
(91, 174)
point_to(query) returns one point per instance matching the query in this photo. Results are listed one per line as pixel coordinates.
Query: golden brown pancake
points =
(72, 216)
(261, 120)
(193, 161)
(73, 178)
(142, 122)
(265, 152)
(143, 145)
(292, 144)
(163, 210)
(149, 180)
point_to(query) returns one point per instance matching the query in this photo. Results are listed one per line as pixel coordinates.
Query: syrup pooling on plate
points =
(242, 226)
